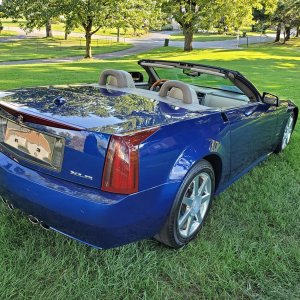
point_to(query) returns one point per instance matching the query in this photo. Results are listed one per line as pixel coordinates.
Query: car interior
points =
(174, 92)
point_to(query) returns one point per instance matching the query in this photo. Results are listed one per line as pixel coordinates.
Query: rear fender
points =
(191, 156)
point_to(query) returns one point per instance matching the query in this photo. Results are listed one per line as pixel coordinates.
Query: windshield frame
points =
(235, 77)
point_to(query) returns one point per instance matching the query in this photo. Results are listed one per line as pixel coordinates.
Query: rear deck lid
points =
(92, 108)
(65, 131)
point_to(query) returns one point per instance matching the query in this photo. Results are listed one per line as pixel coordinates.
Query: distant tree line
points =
(91, 15)
(285, 17)
(229, 15)
(192, 15)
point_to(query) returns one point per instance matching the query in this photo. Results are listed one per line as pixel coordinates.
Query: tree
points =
(262, 18)
(237, 14)
(37, 13)
(286, 16)
(137, 14)
(91, 15)
(193, 15)
(144, 15)
(292, 17)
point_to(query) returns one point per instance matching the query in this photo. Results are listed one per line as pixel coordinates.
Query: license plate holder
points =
(32, 143)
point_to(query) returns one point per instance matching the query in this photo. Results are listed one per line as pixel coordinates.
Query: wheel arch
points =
(190, 158)
(296, 112)
(216, 162)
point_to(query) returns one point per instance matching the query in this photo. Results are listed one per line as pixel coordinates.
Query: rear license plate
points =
(35, 144)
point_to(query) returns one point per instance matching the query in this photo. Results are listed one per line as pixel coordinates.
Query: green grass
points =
(35, 48)
(248, 249)
(203, 37)
(7, 33)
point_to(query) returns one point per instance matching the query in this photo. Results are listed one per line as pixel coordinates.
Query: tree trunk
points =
(88, 45)
(278, 32)
(298, 31)
(66, 35)
(49, 29)
(118, 35)
(188, 40)
(287, 33)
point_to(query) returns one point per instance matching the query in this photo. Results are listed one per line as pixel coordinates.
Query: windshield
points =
(198, 79)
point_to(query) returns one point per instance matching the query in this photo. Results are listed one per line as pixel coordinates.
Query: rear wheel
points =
(286, 134)
(190, 207)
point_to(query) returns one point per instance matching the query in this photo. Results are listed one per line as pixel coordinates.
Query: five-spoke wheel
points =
(194, 205)
(190, 207)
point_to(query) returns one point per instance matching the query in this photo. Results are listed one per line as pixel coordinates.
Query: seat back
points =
(116, 78)
(179, 90)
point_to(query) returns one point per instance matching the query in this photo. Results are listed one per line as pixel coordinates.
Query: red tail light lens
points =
(121, 168)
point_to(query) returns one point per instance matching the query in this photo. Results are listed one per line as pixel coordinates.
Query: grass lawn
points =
(7, 33)
(34, 48)
(202, 37)
(248, 249)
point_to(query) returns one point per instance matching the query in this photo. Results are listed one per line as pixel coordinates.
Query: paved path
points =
(227, 44)
(140, 45)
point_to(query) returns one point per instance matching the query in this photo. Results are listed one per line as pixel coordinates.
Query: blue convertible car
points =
(127, 158)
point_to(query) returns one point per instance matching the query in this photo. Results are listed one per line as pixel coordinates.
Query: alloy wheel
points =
(194, 205)
(287, 132)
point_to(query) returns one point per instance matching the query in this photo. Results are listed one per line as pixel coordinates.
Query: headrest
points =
(117, 78)
(179, 90)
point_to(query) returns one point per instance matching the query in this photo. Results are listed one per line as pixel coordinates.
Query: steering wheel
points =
(157, 84)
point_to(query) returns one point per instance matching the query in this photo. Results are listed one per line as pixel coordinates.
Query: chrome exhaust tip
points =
(33, 220)
(44, 225)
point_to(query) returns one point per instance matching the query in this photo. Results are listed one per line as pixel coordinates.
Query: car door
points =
(252, 131)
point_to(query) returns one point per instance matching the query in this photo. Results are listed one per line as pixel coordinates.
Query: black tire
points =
(170, 233)
(281, 146)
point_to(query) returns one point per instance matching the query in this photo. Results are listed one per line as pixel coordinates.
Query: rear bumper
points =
(94, 217)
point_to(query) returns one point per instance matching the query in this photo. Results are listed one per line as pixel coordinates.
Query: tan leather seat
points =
(222, 102)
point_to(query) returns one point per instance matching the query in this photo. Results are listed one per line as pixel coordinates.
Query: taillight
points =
(121, 168)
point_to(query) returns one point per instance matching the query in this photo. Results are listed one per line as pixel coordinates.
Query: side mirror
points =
(270, 99)
(137, 76)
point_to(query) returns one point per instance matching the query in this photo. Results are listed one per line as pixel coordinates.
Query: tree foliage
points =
(137, 14)
(36, 13)
(286, 16)
(95, 14)
(230, 14)
(191, 15)
(91, 15)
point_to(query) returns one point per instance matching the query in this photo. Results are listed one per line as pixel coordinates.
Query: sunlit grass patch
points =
(202, 37)
(35, 48)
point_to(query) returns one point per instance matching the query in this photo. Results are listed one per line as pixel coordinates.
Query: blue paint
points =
(76, 207)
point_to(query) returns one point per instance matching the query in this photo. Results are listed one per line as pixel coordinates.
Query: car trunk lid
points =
(65, 131)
